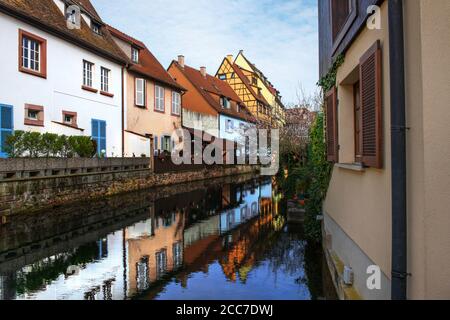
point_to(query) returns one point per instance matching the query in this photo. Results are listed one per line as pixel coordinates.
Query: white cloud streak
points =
(279, 36)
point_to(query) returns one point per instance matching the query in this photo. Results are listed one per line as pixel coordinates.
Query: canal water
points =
(227, 239)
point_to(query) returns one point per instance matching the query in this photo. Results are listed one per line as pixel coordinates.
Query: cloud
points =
(279, 36)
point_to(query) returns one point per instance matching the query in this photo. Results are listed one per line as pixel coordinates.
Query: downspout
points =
(123, 112)
(398, 151)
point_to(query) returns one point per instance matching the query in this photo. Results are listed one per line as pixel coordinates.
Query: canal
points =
(224, 239)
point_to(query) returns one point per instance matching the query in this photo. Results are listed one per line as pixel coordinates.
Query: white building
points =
(58, 77)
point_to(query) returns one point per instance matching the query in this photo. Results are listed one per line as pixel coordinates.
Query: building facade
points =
(366, 224)
(245, 84)
(152, 100)
(210, 104)
(269, 92)
(60, 80)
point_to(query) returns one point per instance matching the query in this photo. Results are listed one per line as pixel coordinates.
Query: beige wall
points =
(360, 202)
(147, 120)
(427, 90)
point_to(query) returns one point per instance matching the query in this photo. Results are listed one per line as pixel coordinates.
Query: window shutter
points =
(332, 125)
(371, 108)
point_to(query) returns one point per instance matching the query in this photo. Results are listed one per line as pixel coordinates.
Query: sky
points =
(279, 36)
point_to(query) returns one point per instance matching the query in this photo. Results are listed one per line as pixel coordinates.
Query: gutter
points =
(398, 151)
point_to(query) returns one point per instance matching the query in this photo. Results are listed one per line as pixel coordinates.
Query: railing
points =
(27, 168)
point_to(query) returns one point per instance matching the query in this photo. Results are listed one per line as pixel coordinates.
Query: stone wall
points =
(29, 185)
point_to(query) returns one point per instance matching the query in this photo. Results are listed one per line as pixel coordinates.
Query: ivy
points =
(328, 81)
(319, 171)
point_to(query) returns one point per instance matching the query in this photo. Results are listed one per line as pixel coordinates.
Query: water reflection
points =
(227, 242)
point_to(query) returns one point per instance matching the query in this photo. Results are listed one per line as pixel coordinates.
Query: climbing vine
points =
(328, 81)
(318, 168)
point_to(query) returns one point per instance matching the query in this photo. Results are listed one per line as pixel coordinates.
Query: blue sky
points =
(279, 36)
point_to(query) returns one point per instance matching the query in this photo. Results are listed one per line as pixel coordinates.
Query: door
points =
(99, 136)
(6, 127)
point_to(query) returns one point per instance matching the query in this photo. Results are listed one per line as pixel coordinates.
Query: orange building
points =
(209, 104)
(152, 99)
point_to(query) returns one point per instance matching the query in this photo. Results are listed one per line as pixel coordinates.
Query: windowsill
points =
(140, 107)
(175, 115)
(107, 94)
(33, 73)
(159, 111)
(35, 123)
(89, 89)
(351, 166)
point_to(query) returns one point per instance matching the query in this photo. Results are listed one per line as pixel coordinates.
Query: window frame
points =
(357, 115)
(337, 39)
(144, 92)
(176, 112)
(135, 57)
(42, 73)
(39, 122)
(106, 92)
(74, 117)
(86, 85)
(160, 99)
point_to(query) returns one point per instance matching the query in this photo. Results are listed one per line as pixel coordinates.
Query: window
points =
(161, 263)
(176, 103)
(166, 143)
(177, 255)
(70, 118)
(105, 79)
(229, 126)
(238, 108)
(222, 76)
(142, 274)
(6, 126)
(225, 103)
(33, 54)
(88, 69)
(159, 98)
(34, 115)
(140, 95)
(135, 55)
(96, 28)
(99, 136)
(343, 13)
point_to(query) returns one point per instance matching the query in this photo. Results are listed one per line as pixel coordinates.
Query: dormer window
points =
(96, 28)
(225, 103)
(222, 76)
(135, 55)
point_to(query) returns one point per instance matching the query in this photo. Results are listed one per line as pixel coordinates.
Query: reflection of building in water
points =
(181, 234)
(156, 251)
(240, 255)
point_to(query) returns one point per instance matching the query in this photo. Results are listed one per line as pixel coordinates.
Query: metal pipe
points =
(398, 151)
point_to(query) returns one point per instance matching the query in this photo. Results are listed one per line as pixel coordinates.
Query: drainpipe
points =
(123, 112)
(398, 152)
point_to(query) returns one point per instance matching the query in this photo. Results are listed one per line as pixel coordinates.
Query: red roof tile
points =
(211, 85)
(148, 65)
(44, 14)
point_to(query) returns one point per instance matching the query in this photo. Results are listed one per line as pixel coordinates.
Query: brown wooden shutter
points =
(332, 125)
(371, 108)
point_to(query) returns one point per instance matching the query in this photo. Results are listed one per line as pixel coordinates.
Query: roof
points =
(211, 85)
(148, 64)
(45, 15)
(88, 7)
(258, 96)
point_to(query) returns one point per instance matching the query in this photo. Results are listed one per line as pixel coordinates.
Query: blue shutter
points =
(162, 143)
(7, 127)
(156, 143)
(99, 135)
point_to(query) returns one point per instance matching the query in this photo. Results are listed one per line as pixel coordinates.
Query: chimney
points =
(181, 61)
(203, 71)
(230, 57)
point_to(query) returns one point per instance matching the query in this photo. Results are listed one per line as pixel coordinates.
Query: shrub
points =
(34, 145)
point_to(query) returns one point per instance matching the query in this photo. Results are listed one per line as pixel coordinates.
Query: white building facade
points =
(52, 84)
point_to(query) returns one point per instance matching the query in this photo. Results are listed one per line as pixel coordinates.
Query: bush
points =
(34, 145)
